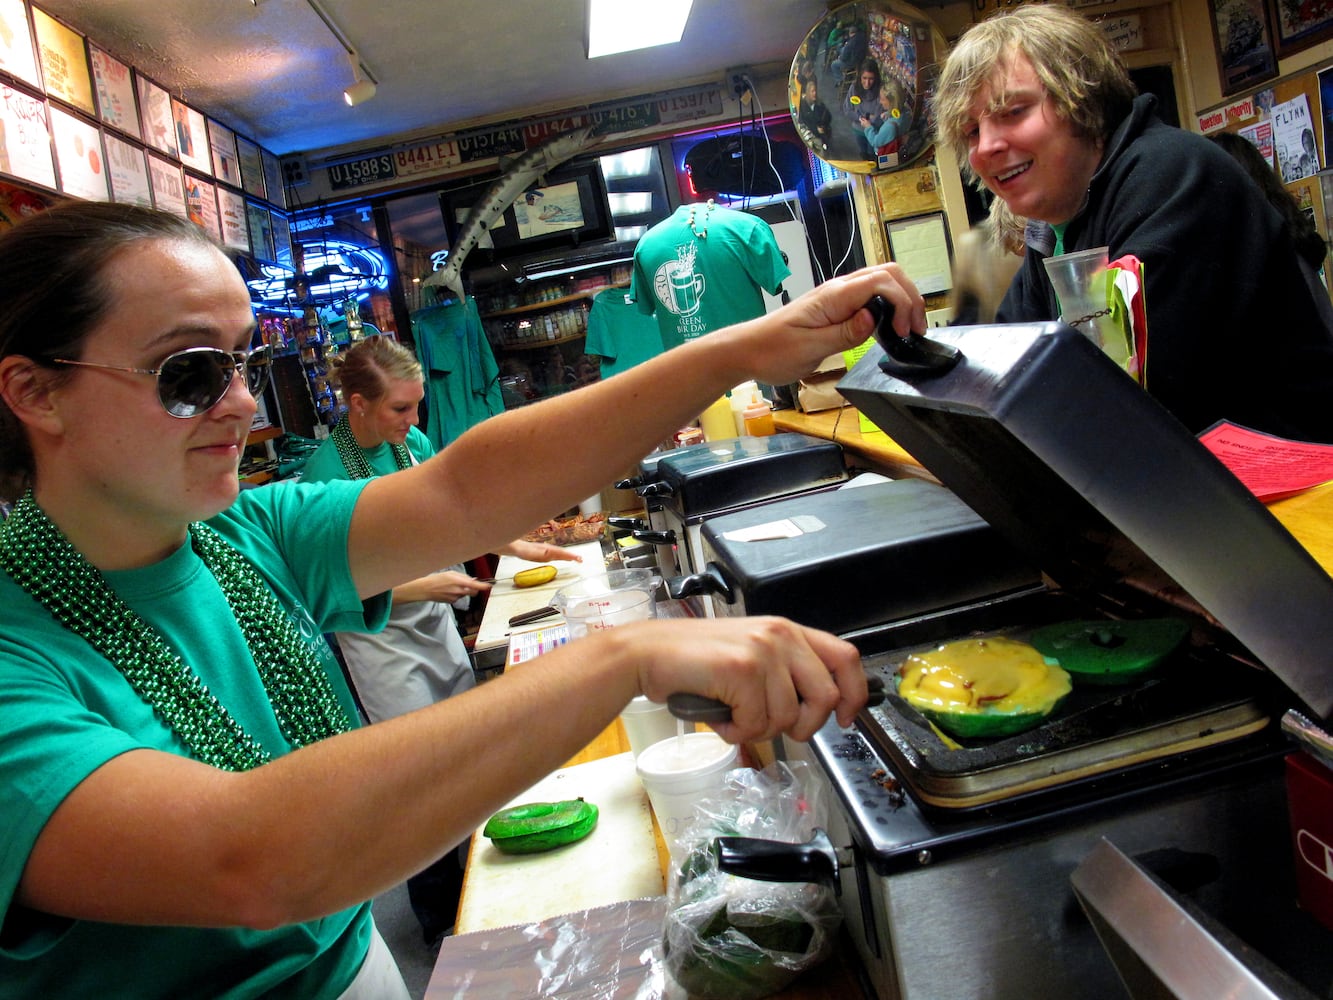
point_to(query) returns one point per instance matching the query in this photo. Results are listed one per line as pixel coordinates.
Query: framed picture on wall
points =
(115, 92)
(16, 53)
(1299, 25)
(158, 130)
(127, 170)
(191, 137)
(64, 61)
(1243, 39)
(79, 156)
(920, 245)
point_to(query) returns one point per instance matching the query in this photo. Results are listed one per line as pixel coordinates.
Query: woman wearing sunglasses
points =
(190, 806)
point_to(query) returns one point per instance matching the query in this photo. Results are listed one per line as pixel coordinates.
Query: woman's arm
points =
(152, 838)
(519, 468)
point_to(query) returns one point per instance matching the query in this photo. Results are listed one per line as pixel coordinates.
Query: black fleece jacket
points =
(1238, 327)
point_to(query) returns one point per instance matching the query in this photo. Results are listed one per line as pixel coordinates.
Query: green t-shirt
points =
(66, 711)
(324, 464)
(696, 283)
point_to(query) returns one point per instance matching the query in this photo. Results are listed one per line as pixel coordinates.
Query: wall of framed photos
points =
(78, 122)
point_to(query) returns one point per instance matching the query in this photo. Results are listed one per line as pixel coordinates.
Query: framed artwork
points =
(282, 241)
(79, 156)
(192, 137)
(25, 145)
(277, 192)
(127, 172)
(156, 126)
(235, 227)
(168, 187)
(252, 166)
(64, 60)
(226, 165)
(16, 52)
(1243, 41)
(114, 87)
(260, 223)
(1299, 25)
(201, 205)
(920, 244)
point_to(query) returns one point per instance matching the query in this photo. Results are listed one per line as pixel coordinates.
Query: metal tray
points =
(1198, 698)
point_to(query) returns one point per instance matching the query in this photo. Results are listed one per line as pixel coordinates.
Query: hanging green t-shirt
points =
(66, 711)
(619, 333)
(703, 268)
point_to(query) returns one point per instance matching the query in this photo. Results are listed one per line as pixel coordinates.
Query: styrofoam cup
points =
(646, 722)
(678, 772)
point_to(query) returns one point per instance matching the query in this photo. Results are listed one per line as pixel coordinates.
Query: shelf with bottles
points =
(515, 298)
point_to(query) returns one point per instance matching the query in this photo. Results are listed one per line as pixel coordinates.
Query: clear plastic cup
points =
(1075, 279)
(647, 722)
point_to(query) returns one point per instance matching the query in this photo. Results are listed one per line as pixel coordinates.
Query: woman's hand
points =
(445, 587)
(538, 552)
(788, 343)
(777, 676)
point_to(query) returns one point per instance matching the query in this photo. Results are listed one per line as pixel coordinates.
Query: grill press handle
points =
(777, 861)
(699, 708)
(913, 356)
(654, 537)
(707, 582)
(627, 523)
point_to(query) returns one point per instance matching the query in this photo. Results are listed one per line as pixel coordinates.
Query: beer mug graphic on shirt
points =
(685, 289)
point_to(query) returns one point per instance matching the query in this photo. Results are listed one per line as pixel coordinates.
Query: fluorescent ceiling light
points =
(630, 202)
(626, 25)
(631, 163)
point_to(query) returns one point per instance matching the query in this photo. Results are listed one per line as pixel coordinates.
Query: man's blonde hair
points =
(1070, 56)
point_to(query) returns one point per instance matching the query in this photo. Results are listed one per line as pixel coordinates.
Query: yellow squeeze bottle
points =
(717, 422)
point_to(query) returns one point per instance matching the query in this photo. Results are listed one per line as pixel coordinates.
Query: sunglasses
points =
(193, 381)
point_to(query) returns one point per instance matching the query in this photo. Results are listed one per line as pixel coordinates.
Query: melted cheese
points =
(993, 675)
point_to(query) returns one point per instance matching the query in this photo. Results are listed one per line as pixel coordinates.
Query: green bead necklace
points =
(354, 457)
(41, 560)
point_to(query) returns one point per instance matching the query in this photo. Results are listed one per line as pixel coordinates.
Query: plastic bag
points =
(732, 938)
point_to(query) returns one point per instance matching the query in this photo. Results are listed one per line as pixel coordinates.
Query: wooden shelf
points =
(547, 303)
(537, 344)
(263, 434)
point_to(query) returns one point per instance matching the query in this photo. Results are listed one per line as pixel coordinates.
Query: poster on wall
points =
(1260, 136)
(1293, 139)
(201, 205)
(277, 192)
(226, 165)
(127, 171)
(64, 62)
(252, 167)
(282, 241)
(168, 188)
(79, 156)
(155, 116)
(115, 92)
(1243, 43)
(235, 231)
(16, 52)
(25, 144)
(192, 137)
(260, 223)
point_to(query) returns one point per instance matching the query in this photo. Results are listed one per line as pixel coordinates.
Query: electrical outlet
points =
(737, 81)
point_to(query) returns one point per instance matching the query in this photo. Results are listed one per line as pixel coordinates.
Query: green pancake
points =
(1111, 652)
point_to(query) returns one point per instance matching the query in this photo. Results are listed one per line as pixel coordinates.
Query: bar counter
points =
(1308, 516)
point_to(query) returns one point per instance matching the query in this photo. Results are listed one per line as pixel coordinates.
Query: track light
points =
(362, 90)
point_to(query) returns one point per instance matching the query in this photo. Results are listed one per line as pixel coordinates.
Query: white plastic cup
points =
(678, 772)
(647, 722)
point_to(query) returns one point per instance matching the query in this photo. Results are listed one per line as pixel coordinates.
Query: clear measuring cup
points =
(616, 597)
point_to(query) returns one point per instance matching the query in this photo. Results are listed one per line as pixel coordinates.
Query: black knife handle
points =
(711, 711)
(777, 861)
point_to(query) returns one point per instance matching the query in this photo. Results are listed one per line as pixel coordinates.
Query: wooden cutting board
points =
(616, 862)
